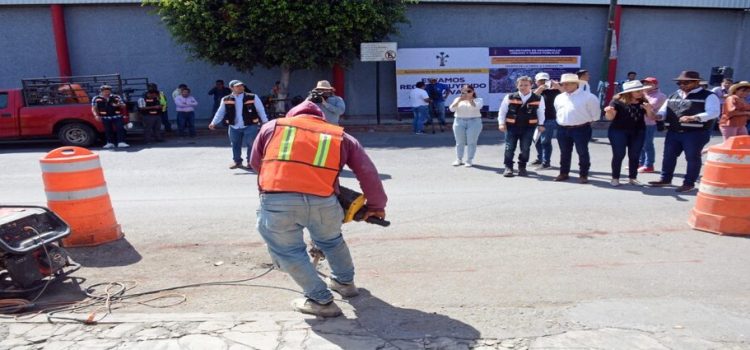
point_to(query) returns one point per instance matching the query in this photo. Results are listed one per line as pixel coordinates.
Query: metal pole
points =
(608, 45)
(377, 91)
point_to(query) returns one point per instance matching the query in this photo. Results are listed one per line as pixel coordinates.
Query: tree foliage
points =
(290, 34)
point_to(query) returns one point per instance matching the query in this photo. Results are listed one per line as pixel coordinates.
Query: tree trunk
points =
(286, 73)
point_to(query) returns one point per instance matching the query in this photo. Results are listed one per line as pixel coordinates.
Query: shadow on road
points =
(391, 323)
(117, 253)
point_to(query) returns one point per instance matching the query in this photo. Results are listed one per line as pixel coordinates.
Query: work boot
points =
(522, 171)
(310, 307)
(508, 172)
(583, 179)
(346, 290)
(562, 177)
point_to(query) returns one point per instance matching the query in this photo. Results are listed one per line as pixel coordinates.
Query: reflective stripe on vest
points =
(324, 147)
(287, 140)
(77, 195)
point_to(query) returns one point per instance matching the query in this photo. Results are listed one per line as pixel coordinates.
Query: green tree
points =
(289, 34)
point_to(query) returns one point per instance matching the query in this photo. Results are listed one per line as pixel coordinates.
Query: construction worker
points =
(151, 110)
(240, 112)
(107, 108)
(298, 160)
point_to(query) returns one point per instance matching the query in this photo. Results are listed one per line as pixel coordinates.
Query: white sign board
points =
(376, 52)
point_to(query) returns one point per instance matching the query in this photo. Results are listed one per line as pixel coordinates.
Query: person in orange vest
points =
(298, 160)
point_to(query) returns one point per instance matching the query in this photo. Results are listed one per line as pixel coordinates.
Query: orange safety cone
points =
(76, 191)
(723, 202)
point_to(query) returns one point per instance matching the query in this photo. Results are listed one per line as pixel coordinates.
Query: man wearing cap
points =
(548, 89)
(298, 160)
(438, 92)
(333, 106)
(107, 108)
(520, 114)
(688, 116)
(576, 110)
(240, 112)
(656, 99)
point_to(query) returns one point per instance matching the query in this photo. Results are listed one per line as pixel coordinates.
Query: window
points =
(3, 100)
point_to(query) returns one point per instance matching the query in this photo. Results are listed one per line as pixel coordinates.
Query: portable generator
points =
(30, 256)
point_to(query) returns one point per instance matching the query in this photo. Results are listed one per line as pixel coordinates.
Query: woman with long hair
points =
(467, 124)
(628, 111)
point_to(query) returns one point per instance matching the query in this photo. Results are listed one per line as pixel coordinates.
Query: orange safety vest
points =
(303, 156)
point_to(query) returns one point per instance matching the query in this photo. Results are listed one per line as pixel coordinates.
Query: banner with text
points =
(490, 71)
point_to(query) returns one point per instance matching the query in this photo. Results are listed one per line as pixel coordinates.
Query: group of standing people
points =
(541, 108)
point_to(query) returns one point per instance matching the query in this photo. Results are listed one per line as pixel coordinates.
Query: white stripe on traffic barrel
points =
(70, 167)
(77, 195)
(728, 158)
(724, 191)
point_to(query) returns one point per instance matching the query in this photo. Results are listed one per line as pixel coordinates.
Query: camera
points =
(316, 96)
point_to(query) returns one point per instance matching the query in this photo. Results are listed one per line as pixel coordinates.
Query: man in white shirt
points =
(520, 114)
(688, 115)
(420, 103)
(576, 110)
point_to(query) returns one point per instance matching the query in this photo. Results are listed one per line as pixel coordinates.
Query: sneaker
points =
(615, 182)
(307, 306)
(659, 183)
(457, 162)
(544, 166)
(468, 164)
(122, 145)
(522, 172)
(634, 182)
(684, 188)
(419, 133)
(109, 145)
(235, 165)
(646, 169)
(508, 172)
(346, 290)
(536, 162)
(562, 177)
(583, 179)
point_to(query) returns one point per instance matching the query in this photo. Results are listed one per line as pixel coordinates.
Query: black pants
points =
(628, 142)
(165, 121)
(152, 128)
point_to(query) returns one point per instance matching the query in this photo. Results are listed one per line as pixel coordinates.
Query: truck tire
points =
(77, 134)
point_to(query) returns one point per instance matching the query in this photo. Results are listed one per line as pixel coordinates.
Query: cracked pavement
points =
(472, 260)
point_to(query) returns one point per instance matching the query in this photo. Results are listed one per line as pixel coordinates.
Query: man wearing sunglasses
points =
(688, 116)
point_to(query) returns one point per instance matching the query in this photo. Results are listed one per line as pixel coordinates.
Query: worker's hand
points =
(380, 214)
(687, 119)
(541, 128)
(211, 126)
(501, 127)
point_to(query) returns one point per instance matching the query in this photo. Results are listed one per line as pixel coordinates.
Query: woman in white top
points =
(467, 124)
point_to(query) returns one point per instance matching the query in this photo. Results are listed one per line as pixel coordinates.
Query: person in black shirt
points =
(628, 111)
(548, 89)
(218, 92)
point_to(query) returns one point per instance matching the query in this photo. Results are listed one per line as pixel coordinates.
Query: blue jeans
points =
(186, 120)
(281, 219)
(648, 154)
(466, 131)
(513, 135)
(113, 129)
(242, 137)
(622, 142)
(437, 109)
(544, 144)
(691, 142)
(578, 137)
(420, 115)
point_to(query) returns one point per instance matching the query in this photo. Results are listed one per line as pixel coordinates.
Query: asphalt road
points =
(505, 257)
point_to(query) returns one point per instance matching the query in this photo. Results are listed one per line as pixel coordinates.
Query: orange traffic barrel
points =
(76, 191)
(723, 202)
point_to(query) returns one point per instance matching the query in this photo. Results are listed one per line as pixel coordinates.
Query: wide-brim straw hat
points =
(324, 85)
(742, 84)
(633, 86)
(569, 78)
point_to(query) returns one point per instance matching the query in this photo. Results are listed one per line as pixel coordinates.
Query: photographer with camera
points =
(332, 106)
